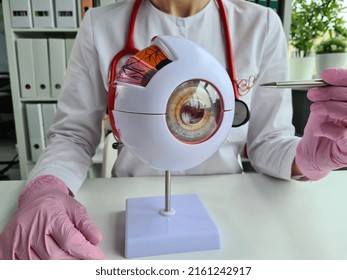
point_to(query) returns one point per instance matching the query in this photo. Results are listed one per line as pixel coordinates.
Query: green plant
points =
(312, 20)
(332, 45)
(332, 20)
(304, 26)
(335, 29)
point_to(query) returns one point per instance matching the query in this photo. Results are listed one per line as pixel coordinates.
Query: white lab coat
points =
(259, 47)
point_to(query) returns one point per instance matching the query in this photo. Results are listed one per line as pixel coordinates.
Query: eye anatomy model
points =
(171, 105)
(173, 102)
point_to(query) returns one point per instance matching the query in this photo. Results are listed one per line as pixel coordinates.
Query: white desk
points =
(258, 217)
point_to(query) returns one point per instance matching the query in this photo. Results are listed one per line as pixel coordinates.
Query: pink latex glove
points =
(324, 144)
(49, 224)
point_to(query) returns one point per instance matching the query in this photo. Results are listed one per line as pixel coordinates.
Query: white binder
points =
(57, 63)
(35, 128)
(43, 14)
(41, 68)
(48, 114)
(66, 13)
(26, 68)
(68, 48)
(21, 14)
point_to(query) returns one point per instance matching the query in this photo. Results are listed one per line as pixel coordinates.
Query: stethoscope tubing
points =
(228, 47)
(129, 48)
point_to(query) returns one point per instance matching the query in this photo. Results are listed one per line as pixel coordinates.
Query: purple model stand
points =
(188, 228)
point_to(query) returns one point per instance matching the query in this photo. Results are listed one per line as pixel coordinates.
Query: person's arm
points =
(49, 223)
(271, 142)
(76, 132)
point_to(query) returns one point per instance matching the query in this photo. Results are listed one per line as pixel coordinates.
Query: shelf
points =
(43, 30)
(38, 100)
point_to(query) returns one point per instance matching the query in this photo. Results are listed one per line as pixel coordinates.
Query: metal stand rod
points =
(167, 190)
(167, 211)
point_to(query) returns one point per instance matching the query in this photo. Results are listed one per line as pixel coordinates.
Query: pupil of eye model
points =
(192, 112)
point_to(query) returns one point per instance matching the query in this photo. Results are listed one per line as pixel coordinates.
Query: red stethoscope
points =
(241, 115)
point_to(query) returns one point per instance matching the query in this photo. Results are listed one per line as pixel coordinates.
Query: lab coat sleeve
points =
(81, 106)
(271, 142)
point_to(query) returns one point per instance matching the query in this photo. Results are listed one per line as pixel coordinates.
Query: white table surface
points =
(258, 217)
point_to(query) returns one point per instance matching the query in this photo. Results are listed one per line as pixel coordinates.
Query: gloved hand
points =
(323, 146)
(49, 224)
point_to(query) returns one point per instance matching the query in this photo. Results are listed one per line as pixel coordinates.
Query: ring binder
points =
(25, 68)
(42, 13)
(65, 14)
(21, 14)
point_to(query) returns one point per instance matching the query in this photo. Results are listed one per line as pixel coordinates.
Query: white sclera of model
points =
(176, 121)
